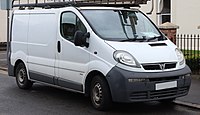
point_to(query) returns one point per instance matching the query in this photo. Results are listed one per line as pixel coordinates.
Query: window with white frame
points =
(165, 15)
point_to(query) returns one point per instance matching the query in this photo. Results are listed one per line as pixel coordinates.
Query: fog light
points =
(185, 76)
(136, 80)
(188, 75)
(182, 77)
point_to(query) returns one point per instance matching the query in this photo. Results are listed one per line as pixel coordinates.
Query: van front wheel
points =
(100, 94)
(22, 77)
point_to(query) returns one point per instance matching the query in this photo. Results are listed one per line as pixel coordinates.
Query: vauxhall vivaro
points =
(110, 54)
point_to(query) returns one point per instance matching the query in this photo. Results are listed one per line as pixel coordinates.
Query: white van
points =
(110, 54)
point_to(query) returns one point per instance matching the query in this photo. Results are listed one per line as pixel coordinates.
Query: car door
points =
(72, 60)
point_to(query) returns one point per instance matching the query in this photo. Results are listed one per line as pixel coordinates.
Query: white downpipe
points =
(160, 5)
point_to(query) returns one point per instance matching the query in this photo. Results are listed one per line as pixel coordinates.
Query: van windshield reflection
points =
(122, 25)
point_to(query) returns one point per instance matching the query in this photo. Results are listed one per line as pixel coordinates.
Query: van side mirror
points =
(80, 38)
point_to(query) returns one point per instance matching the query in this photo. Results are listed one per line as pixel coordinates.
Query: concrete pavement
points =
(190, 100)
(193, 97)
(3, 60)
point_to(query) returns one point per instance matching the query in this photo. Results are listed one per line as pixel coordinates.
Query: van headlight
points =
(180, 56)
(125, 58)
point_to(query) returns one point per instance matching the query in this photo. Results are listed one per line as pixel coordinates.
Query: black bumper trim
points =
(124, 91)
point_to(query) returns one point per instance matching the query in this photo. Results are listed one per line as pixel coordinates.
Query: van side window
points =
(70, 23)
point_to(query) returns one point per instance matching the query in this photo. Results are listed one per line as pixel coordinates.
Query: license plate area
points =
(166, 85)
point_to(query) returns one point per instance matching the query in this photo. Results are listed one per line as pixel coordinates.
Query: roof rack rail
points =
(77, 3)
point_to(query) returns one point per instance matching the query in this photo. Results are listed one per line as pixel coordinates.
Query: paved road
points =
(46, 100)
(2, 54)
(3, 58)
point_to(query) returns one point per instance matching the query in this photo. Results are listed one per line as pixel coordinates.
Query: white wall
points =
(3, 24)
(145, 8)
(184, 13)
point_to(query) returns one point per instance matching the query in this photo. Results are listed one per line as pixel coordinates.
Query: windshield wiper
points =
(130, 39)
(134, 39)
(154, 38)
(143, 39)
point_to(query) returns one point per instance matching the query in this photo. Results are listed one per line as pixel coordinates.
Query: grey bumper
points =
(123, 90)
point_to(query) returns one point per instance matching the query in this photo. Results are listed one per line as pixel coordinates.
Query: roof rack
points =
(78, 3)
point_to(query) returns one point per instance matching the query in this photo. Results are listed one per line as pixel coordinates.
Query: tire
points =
(100, 94)
(22, 77)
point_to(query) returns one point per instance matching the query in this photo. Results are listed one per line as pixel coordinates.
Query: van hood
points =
(148, 52)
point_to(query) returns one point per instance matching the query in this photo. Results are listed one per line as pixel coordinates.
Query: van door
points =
(72, 61)
(42, 46)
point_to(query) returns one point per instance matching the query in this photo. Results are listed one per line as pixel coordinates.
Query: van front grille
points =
(159, 66)
(164, 79)
(159, 94)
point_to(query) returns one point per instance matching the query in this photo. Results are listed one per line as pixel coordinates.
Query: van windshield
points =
(122, 25)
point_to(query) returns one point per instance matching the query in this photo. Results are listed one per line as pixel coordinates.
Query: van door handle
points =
(59, 47)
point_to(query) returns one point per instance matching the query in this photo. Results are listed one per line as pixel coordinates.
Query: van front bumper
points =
(128, 86)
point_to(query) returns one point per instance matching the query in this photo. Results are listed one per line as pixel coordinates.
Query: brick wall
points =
(169, 30)
(170, 33)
